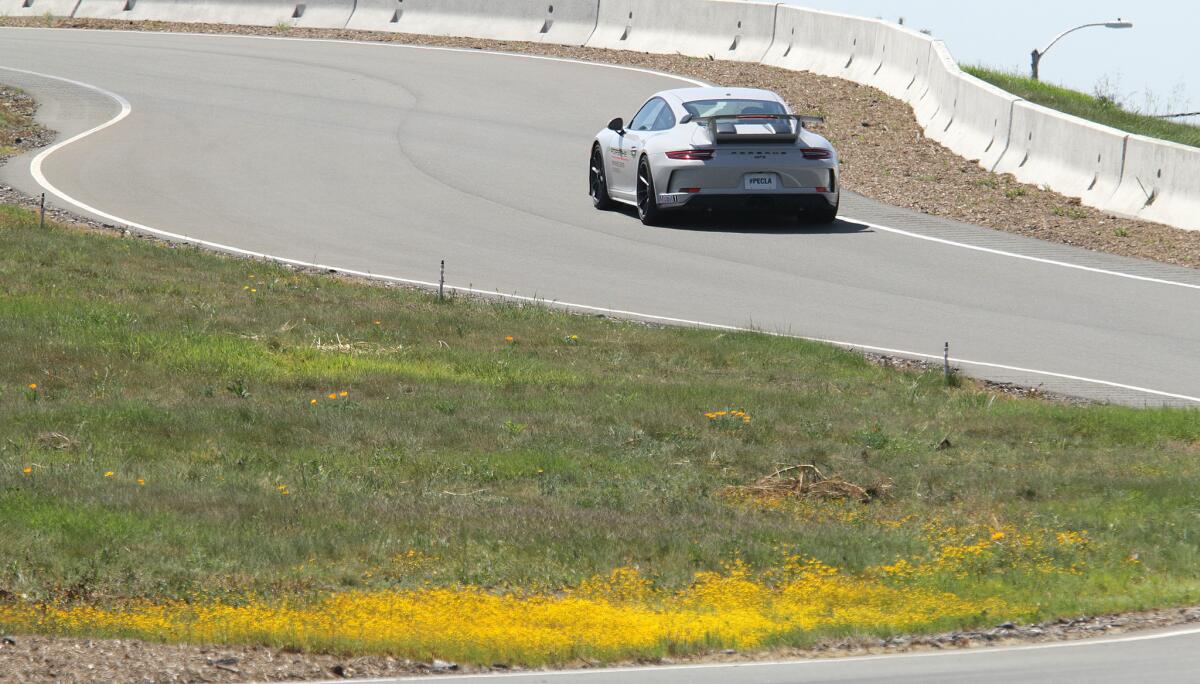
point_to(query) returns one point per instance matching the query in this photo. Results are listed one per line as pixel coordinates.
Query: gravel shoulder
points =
(885, 155)
(18, 130)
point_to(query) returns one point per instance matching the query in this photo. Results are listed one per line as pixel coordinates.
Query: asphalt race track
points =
(387, 159)
(1168, 657)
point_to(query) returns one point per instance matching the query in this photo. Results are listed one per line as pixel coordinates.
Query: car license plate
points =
(761, 181)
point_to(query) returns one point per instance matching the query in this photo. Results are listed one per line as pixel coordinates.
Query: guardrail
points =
(1105, 168)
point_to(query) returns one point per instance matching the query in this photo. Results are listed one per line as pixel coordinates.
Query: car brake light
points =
(691, 155)
(690, 191)
(816, 153)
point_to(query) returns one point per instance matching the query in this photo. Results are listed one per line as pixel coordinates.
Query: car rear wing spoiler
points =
(784, 127)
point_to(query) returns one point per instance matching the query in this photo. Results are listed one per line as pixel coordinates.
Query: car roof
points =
(682, 95)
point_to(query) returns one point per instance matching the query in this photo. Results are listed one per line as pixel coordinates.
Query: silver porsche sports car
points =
(709, 148)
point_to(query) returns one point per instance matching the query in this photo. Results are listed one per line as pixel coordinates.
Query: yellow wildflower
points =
(27, 470)
(312, 402)
(343, 394)
(108, 473)
(332, 395)
(612, 616)
(141, 482)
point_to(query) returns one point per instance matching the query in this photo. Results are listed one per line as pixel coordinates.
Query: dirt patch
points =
(37, 659)
(885, 155)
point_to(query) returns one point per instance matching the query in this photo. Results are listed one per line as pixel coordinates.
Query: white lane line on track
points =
(814, 662)
(1026, 257)
(35, 168)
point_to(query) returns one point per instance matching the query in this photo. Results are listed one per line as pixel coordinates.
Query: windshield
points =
(703, 108)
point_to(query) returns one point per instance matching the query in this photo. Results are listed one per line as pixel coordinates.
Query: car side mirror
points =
(687, 118)
(617, 125)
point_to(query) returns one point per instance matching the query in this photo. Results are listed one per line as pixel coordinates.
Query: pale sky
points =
(1153, 66)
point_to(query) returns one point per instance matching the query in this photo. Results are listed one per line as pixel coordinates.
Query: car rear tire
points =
(823, 214)
(598, 182)
(647, 200)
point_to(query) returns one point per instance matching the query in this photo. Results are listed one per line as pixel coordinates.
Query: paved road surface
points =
(388, 159)
(1165, 657)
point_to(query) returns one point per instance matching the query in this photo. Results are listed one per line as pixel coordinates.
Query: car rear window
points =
(703, 108)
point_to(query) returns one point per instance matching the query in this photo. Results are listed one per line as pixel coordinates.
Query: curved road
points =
(387, 159)
(1163, 657)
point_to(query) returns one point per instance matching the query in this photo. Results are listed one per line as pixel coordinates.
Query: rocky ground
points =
(18, 131)
(42, 660)
(885, 156)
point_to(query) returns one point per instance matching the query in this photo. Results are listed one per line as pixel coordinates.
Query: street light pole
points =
(1036, 57)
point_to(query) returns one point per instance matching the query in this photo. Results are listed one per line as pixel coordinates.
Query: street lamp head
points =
(1038, 54)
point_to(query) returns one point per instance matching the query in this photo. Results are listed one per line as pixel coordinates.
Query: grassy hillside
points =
(188, 441)
(1088, 107)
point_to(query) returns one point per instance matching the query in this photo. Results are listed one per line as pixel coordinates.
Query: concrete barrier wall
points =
(1161, 182)
(313, 13)
(867, 51)
(721, 29)
(821, 42)
(1074, 157)
(37, 8)
(901, 62)
(105, 9)
(966, 115)
(563, 22)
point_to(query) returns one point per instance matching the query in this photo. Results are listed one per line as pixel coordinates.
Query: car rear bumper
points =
(774, 201)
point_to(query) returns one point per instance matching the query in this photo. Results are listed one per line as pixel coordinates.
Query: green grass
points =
(534, 464)
(1088, 107)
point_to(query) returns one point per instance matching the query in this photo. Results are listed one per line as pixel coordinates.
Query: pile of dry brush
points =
(806, 481)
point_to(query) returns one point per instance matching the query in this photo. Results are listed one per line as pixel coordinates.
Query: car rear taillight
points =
(691, 155)
(816, 153)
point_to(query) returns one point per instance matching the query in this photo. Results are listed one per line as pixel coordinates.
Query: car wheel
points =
(823, 215)
(598, 182)
(647, 200)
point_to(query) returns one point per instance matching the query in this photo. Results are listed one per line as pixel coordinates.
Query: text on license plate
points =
(761, 181)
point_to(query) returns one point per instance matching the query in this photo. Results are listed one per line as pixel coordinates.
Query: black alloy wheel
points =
(647, 202)
(598, 182)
